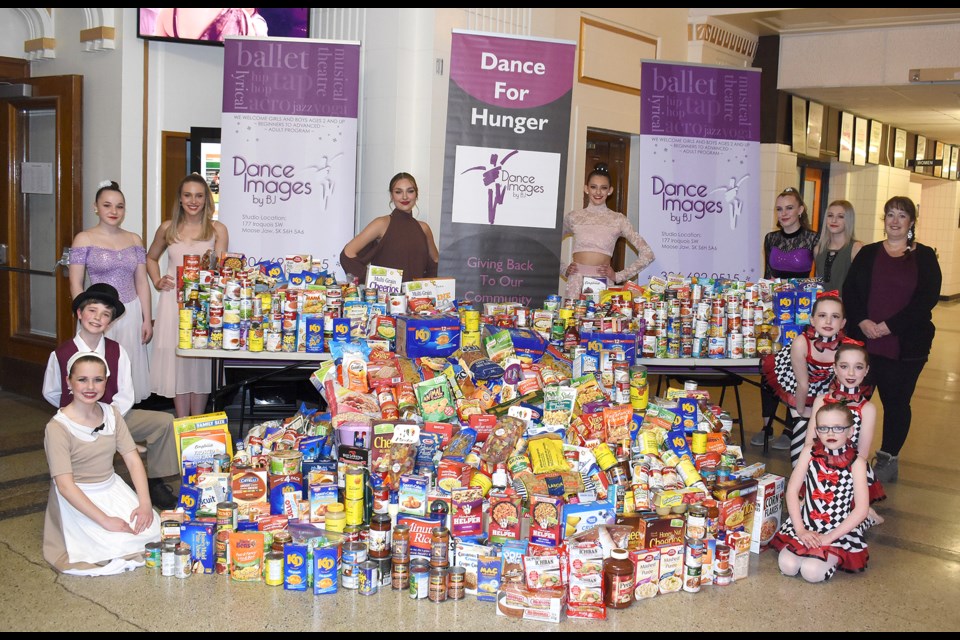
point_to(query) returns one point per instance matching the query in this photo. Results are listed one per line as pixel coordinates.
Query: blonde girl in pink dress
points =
(192, 230)
(107, 253)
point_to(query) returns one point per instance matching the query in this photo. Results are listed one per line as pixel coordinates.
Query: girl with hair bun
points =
(596, 230)
(107, 253)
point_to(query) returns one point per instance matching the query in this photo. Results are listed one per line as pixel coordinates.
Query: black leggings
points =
(895, 381)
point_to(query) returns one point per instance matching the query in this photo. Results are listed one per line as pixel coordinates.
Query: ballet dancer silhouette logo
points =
(495, 190)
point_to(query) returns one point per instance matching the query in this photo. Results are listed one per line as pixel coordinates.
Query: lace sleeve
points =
(644, 252)
(141, 254)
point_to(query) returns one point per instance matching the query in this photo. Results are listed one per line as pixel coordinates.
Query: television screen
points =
(210, 26)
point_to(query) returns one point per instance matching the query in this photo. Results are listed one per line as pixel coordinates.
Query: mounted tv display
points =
(210, 26)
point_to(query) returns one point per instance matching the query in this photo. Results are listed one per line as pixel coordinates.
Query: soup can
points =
(227, 515)
(400, 575)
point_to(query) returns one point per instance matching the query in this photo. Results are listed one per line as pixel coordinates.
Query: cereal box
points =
(651, 530)
(384, 278)
(768, 505)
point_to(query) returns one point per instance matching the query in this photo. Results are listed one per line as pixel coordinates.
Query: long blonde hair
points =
(173, 231)
(849, 218)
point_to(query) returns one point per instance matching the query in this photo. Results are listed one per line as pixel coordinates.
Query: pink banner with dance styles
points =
(700, 170)
(289, 147)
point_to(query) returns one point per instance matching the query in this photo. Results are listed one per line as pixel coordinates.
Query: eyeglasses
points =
(825, 429)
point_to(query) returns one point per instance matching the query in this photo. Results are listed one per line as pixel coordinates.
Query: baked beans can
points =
(456, 583)
(400, 575)
(419, 579)
(437, 588)
(368, 578)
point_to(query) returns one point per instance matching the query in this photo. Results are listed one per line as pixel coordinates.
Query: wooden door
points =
(40, 212)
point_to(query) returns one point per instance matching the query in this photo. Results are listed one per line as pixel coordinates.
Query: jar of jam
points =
(280, 538)
(400, 545)
(379, 538)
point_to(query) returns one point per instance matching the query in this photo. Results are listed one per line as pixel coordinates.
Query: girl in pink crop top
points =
(595, 232)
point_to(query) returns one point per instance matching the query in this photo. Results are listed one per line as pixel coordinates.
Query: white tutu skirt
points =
(86, 541)
(126, 331)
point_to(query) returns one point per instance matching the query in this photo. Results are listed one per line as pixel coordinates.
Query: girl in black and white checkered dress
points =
(799, 373)
(828, 501)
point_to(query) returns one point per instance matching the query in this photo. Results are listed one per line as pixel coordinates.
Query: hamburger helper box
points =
(768, 505)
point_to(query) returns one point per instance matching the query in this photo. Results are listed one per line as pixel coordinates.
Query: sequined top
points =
(114, 267)
(597, 229)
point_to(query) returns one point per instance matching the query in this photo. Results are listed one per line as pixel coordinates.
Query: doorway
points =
(41, 213)
(814, 178)
(613, 149)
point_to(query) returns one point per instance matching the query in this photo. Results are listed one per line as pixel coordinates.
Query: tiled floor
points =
(912, 583)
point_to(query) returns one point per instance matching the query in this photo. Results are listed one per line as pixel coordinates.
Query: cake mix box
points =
(768, 510)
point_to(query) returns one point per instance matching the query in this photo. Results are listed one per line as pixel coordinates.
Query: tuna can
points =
(419, 579)
(437, 590)
(151, 554)
(368, 578)
(273, 569)
(400, 575)
(354, 553)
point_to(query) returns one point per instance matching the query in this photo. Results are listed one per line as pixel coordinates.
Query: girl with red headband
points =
(800, 373)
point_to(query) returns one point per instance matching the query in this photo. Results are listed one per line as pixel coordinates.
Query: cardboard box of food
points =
(543, 605)
(768, 509)
(432, 336)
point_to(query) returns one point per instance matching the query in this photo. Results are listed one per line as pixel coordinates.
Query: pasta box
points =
(595, 342)
(435, 336)
(784, 306)
(545, 524)
(768, 505)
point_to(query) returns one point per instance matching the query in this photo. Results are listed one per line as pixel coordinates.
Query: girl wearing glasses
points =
(827, 499)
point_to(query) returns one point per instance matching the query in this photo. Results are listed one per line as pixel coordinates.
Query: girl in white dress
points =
(95, 524)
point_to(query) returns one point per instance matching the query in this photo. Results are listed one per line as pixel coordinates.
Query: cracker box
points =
(428, 336)
(443, 291)
(768, 505)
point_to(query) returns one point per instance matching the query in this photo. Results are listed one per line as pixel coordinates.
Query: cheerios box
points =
(435, 336)
(768, 505)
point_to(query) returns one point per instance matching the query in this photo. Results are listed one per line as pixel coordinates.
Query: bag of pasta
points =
(500, 444)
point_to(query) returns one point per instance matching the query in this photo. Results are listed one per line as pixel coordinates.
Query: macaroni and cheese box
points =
(428, 336)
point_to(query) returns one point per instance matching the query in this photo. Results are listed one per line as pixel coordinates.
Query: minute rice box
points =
(769, 509)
